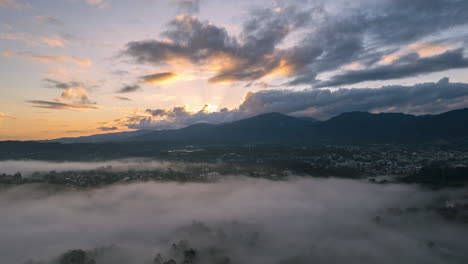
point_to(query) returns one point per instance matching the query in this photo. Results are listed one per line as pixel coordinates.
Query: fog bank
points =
(27, 167)
(248, 220)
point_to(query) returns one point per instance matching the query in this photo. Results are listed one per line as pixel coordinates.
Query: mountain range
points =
(276, 128)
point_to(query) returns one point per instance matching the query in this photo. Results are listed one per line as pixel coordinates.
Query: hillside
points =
(276, 128)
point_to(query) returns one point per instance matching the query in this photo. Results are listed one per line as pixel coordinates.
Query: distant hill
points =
(99, 138)
(276, 128)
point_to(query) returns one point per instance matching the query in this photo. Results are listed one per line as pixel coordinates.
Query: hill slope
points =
(275, 128)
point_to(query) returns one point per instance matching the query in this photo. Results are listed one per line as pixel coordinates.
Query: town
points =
(377, 163)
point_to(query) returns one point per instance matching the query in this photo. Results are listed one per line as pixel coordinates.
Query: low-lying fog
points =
(247, 220)
(30, 166)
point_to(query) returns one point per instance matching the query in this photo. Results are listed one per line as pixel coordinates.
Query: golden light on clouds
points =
(224, 63)
(209, 108)
(213, 65)
(48, 59)
(429, 49)
(222, 80)
(75, 93)
(158, 78)
(353, 66)
(284, 68)
(53, 41)
(5, 116)
(98, 3)
(387, 59)
(221, 62)
(422, 49)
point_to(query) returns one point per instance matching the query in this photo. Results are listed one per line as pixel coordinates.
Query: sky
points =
(79, 67)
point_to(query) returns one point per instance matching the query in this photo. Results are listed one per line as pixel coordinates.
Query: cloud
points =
(73, 97)
(177, 117)
(400, 21)
(13, 4)
(301, 41)
(78, 93)
(122, 98)
(73, 90)
(11, 36)
(51, 41)
(249, 57)
(106, 129)
(48, 58)
(158, 78)
(98, 3)
(406, 66)
(188, 6)
(62, 106)
(48, 20)
(4, 116)
(129, 88)
(425, 98)
(51, 83)
(394, 24)
(201, 39)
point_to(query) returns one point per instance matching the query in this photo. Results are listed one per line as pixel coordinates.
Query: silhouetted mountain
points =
(265, 128)
(363, 127)
(306, 118)
(347, 128)
(108, 137)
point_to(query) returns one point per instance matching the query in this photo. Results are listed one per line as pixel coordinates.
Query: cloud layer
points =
(425, 98)
(325, 41)
(250, 57)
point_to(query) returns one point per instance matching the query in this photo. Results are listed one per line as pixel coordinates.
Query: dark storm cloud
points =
(425, 98)
(335, 43)
(366, 36)
(407, 66)
(329, 40)
(129, 88)
(401, 20)
(251, 56)
(190, 39)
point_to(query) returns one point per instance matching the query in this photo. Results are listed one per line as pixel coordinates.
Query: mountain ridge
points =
(346, 128)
